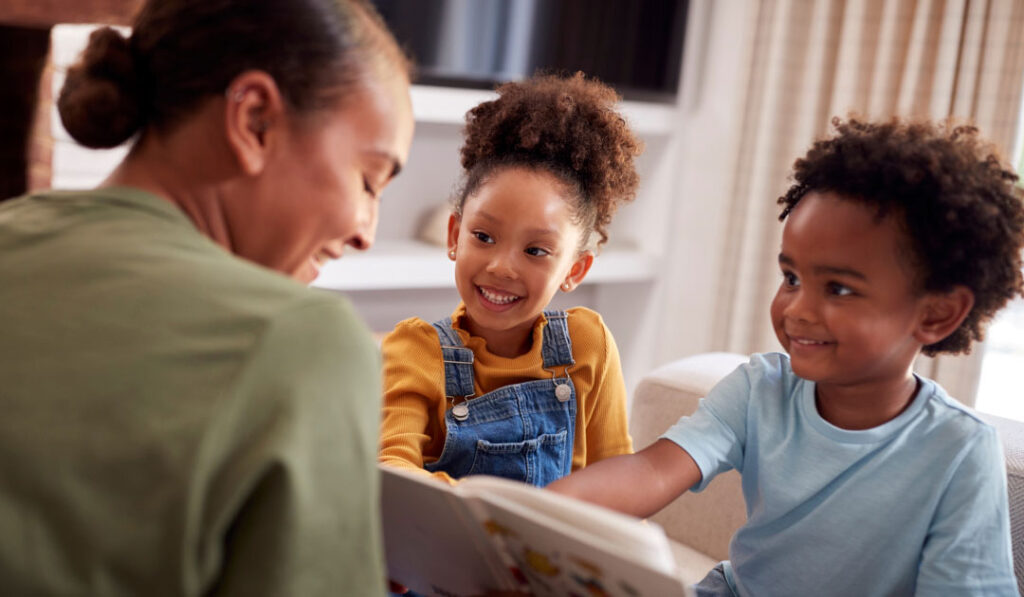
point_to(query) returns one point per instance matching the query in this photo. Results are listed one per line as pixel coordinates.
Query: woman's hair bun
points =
(100, 103)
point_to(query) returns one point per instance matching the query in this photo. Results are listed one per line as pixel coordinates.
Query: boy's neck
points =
(865, 406)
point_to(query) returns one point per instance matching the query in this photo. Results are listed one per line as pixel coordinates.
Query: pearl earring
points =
(565, 286)
(451, 254)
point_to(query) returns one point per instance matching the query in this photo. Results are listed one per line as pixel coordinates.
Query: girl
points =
(505, 387)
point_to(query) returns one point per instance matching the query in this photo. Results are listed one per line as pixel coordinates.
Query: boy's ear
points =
(943, 314)
(453, 234)
(253, 111)
(578, 271)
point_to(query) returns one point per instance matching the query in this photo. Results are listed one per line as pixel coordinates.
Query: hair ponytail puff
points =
(100, 103)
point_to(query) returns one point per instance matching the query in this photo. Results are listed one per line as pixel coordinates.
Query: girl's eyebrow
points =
(532, 231)
(825, 269)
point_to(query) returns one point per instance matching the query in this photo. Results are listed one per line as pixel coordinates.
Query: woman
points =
(180, 418)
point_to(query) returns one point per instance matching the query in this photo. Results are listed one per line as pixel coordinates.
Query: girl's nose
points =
(502, 264)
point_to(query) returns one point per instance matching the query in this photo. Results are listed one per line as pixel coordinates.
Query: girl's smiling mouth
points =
(496, 299)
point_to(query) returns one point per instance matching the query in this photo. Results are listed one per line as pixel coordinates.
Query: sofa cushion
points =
(704, 521)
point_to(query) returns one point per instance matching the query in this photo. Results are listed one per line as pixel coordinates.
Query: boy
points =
(860, 477)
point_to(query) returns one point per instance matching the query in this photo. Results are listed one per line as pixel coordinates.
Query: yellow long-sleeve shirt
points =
(413, 431)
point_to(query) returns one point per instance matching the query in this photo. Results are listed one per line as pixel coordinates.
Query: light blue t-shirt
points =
(915, 506)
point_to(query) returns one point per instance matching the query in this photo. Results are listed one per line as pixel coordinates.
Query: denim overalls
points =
(522, 431)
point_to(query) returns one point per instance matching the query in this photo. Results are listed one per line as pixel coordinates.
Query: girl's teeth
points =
(500, 299)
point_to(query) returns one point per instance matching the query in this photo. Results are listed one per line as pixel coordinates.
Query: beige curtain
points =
(812, 59)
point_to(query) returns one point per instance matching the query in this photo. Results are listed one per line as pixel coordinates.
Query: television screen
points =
(633, 45)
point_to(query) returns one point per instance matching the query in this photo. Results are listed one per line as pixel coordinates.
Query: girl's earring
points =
(451, 253)
(565, 286)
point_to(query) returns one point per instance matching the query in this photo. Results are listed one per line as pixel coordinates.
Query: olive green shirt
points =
(175, 420)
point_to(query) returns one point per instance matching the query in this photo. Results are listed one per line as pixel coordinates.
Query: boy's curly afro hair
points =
(567, 126)
(959, 205)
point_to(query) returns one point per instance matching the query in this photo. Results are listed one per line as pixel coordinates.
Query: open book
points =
(493, 534)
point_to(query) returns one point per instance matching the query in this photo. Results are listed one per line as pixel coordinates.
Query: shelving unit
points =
(401, 276)
(448, 105)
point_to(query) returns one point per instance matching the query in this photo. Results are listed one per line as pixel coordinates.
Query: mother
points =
(179, 418)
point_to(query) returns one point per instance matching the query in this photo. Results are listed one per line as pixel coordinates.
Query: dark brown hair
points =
(958, 204)
(566, 126)
(182, 52)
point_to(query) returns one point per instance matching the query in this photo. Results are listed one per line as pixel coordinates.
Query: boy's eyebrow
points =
(825, 269)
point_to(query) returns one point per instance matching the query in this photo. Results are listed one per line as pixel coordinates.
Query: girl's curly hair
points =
(567, 126)
(958, 204)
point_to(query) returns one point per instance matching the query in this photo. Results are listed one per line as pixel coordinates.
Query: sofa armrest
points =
(1011, 435)
(704, 521)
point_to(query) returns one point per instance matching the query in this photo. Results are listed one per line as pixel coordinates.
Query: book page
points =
(432, 544)
(562, 546)
(642, 541)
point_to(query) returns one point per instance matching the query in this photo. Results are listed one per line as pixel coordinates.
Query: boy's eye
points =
(790, 279)
(537, 252)
(837, 289)
(483, 237)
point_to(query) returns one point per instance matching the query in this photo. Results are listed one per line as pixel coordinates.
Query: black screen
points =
(633, 45)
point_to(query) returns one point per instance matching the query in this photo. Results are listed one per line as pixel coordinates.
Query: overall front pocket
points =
(537, 461)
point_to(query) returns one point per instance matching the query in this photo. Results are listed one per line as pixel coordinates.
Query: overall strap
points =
(557, 347)
(458, 360)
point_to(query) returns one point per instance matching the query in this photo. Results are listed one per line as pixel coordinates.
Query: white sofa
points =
(701, 524)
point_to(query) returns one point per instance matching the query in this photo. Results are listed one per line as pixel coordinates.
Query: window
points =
(1002, 365)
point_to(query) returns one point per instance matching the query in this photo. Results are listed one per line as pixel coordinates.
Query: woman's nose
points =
(366, 227)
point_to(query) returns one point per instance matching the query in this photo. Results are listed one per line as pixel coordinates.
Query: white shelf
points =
(448, 105)
(406, 264)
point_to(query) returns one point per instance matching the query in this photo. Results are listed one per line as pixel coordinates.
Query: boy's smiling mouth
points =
(805, 342)
(809, 342)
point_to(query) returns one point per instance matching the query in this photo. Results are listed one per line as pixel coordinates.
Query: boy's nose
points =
(802, 307)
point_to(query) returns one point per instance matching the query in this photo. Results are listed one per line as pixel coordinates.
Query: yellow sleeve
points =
(604, 408)
(412, 423)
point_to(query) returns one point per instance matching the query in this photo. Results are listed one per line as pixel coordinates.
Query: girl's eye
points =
(483, 237)
(837, 289)
(537, 252)
(790, 279)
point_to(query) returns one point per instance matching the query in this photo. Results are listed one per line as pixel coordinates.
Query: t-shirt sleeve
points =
(967, 551)
(715, 434)
(288, 472)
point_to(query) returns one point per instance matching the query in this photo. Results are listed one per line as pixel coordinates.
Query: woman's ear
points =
(943, 313)
(453, 234)
(578, 271)
(253, 114)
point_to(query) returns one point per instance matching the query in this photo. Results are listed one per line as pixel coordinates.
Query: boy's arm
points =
(639, 484)
(967, 551)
